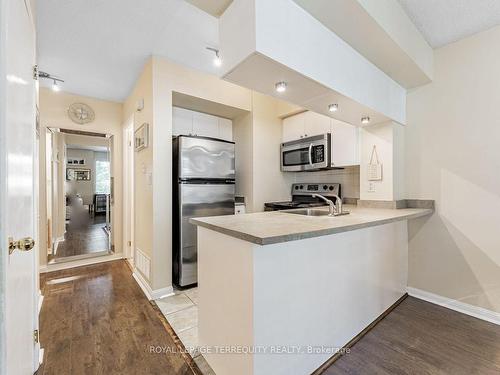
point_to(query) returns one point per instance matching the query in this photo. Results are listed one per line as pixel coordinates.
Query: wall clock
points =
(81, 113)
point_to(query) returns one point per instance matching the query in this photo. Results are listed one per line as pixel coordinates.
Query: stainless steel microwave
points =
(307, 154)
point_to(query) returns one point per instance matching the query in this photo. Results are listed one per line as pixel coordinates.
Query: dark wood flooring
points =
(96, 320)
(85, 233)
(418, 337)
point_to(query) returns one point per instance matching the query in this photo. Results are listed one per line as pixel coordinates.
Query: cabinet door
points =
(205, 125)
(345, 145)
(316, 124)
(225, 129)
(293, 127)
(182, 121)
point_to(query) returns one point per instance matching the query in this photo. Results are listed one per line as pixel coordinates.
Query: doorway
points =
(79, 195)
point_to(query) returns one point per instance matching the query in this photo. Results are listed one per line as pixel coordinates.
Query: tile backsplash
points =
(347, 177)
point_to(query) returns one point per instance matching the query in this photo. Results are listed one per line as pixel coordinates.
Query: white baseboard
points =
(148, 292)
(79, 263)
(464, 308)
(40, 356)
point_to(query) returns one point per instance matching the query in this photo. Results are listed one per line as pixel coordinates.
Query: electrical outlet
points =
(371, 187)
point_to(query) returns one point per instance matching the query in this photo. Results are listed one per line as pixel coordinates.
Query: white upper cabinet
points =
(187, 122)
(225, 129)
(316, 124)
(182, 121)
(293, 127)
(205, 125)
(345, 137)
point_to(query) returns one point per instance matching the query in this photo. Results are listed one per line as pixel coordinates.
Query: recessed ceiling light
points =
(333, 107)
(365, 120)
(280, 86)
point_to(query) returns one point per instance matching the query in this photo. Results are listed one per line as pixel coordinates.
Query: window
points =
(102, 177)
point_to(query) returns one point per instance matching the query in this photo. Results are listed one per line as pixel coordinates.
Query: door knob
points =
(24, 244)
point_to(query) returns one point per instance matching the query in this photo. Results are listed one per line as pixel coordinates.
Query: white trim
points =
(40, 301)
(149, 293)
(452, 304)
(80, 263)
(40, 356)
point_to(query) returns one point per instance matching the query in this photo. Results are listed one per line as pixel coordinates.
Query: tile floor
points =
(181, 312)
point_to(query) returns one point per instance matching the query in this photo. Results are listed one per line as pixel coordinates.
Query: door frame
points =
(128, 191)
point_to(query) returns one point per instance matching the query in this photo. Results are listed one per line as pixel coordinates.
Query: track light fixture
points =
(217, 58)
(54, 79)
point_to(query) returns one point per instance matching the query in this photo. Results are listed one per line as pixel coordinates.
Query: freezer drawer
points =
(204, 158)
(196, 200)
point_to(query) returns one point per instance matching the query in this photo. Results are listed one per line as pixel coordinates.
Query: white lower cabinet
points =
(188, 122)
(345, 137)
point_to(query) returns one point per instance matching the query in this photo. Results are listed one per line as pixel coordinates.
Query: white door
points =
(17, 187)
(293, 127)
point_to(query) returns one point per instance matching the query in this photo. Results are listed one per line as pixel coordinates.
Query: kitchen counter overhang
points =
(265, 228)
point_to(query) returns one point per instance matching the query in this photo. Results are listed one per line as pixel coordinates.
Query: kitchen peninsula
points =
(291, 289)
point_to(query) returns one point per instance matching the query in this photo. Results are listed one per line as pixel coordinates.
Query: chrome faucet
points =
(333, 209)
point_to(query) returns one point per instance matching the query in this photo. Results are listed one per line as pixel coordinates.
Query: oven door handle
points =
(310, 154)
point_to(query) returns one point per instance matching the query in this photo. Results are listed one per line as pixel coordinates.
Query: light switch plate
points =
(371, 187)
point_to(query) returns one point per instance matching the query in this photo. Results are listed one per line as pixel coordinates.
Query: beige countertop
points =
(264, 228)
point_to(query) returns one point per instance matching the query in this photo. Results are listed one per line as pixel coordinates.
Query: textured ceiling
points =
(446, 21)
(99, 47)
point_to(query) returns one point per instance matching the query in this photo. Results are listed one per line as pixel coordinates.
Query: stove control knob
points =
(296, 188)
(325, 187)
(331, 187)
(302, 186)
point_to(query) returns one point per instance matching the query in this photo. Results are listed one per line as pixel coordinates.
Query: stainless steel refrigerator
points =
(204, 173)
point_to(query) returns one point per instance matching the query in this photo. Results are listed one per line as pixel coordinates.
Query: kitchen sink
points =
(307, 212)
(312, 212)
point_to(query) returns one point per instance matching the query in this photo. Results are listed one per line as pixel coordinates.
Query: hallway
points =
(96, 320)
(85, 233)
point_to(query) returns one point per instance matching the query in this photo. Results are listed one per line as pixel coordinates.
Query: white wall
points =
(388, 138)
(153, 181)
(452, 156)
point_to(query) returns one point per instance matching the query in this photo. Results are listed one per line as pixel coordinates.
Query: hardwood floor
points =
(96, 320)
(85, 233)
(418, 337)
